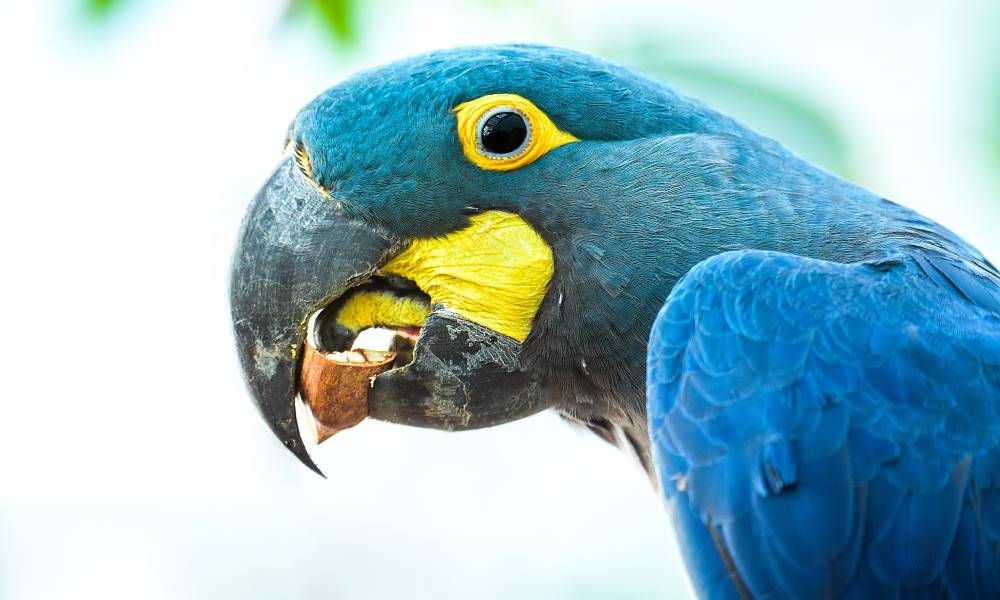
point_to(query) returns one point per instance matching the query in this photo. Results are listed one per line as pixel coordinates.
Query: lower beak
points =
(296, 251)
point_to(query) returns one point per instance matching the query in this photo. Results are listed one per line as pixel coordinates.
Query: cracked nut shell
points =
(336, 384)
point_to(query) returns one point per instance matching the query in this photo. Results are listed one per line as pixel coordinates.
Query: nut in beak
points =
(335, 386)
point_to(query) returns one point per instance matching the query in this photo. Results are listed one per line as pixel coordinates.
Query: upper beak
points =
(296, 251)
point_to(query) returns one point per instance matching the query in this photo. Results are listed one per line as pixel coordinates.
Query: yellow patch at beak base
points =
(494, 272)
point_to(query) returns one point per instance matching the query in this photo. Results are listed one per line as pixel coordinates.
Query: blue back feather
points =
(834, 426)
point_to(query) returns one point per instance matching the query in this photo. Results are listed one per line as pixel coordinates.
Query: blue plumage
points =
(833, 428)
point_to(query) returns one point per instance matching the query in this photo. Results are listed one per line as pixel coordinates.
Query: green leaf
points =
(102, 8)
(338, 18)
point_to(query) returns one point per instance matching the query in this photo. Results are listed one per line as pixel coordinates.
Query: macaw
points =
(809, 372)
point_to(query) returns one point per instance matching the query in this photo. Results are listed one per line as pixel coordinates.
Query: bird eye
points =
(501, 132)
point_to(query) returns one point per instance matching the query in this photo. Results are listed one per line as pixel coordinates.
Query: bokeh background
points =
(132, 464)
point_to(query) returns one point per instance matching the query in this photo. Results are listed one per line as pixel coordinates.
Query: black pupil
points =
(504, 132)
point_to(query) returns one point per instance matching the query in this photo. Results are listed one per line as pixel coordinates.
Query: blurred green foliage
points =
(993, 120)
(102, 8)
(989, 110)
(786, 115)
(338, 18)
(789, 116)
(993, 128)
(793, 119)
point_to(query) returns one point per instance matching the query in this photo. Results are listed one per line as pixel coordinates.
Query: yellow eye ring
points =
(540, 135)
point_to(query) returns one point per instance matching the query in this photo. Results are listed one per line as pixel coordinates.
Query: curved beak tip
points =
(303, 455)
(294, 252)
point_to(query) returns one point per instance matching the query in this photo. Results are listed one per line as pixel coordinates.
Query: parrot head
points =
(520, 212)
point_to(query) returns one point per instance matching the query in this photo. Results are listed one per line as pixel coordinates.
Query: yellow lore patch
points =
(494, 272)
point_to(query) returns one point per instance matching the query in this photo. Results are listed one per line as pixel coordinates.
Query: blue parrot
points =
(809, 372)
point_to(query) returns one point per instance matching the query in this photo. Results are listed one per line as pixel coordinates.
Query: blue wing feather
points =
(832, 428)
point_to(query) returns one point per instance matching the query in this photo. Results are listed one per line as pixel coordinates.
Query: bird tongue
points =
(410, 333)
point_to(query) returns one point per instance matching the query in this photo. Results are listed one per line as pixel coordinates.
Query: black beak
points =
(296, 252)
